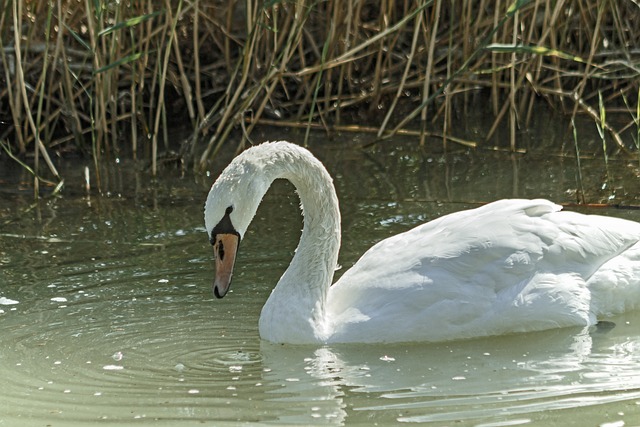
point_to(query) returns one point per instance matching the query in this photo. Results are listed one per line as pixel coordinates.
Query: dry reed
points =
(86, 76)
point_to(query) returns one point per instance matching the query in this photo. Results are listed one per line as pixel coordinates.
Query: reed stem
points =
(82, 74)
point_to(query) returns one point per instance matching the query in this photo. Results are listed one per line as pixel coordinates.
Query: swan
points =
(505, 267)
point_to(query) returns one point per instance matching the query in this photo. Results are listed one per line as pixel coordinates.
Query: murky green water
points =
(107, 317)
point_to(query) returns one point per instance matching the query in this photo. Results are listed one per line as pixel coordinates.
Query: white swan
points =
(508, 266)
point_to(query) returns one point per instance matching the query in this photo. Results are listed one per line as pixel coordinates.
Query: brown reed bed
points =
(111, 78)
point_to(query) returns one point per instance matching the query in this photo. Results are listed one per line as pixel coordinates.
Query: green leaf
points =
(121, 61)
(131, 22)
(603, 120)
(516, 6)
(534, 50)
(78, 38)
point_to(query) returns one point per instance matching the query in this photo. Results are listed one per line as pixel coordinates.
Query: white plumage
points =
(508, 266)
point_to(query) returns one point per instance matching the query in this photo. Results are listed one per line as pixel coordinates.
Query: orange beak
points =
(225, 249)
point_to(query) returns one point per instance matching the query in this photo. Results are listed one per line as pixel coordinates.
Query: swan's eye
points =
(220, 250)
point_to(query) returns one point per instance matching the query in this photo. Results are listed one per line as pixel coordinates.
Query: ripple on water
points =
(109, 327)
(523, 379)
(89, 358)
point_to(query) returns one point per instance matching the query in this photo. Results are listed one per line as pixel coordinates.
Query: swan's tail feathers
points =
(615, 287)
(546, 301)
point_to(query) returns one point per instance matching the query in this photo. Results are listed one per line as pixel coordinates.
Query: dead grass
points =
(107, 78)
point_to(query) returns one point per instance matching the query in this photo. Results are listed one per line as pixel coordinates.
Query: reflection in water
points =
(506, 378)
(107, 315)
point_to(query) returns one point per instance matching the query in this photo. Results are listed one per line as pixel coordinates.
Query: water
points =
(107, 315)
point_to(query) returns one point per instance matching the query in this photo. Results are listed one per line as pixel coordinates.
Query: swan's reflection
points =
(509, 376)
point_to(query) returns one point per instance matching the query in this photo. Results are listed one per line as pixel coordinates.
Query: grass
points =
(108, 79)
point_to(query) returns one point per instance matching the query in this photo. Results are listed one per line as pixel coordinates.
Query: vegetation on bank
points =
(111, 78)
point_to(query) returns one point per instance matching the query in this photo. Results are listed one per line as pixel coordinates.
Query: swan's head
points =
(231, 205)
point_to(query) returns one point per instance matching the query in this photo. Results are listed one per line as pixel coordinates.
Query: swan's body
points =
(508, 266)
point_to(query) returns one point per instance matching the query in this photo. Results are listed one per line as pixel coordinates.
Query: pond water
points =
(107, 315)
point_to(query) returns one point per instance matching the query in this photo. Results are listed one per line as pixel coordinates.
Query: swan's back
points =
(509, 266)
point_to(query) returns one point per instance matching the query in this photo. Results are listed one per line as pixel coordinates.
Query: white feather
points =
(508, 266)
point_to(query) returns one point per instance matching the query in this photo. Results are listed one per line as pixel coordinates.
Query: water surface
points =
(107, 315)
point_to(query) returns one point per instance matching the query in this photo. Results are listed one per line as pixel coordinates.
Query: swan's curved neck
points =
(295, 311)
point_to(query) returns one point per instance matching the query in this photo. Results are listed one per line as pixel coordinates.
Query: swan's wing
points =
(507, 266)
